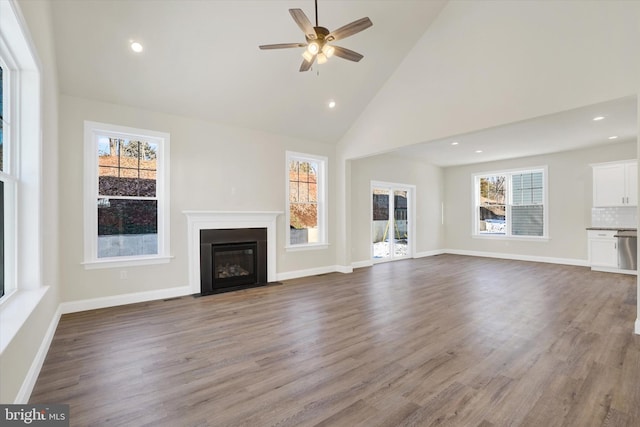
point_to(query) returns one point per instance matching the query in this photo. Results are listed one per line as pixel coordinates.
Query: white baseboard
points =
(346, 269)
(429, 253)
(549, 260)
(361, 264)
(115, 300)
(313, 272)
(34, 371)
(614, 270)
(369, 263)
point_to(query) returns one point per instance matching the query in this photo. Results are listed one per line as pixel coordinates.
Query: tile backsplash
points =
(623, 216)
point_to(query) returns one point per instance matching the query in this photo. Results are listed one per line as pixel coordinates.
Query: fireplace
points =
(232, 259)
(198, 221)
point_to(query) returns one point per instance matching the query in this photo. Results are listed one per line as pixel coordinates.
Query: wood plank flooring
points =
(444, 340)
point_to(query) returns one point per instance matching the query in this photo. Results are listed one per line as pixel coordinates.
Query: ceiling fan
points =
(318, 38)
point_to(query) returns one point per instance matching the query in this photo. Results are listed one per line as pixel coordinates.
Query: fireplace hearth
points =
(232, 259)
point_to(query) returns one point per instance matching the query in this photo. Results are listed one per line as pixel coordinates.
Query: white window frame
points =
(24, 285)
(93, 130)
(9, 176)
(509, 173)
(23, 158)
(411, 215)
(322, 202)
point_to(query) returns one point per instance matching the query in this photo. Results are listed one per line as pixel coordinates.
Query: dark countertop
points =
(613, 228)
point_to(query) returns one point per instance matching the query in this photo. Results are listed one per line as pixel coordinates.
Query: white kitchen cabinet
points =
(615, 184)
(631, 183)
(603, 249)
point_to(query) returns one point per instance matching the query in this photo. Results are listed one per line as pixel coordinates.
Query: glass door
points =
(390, 225)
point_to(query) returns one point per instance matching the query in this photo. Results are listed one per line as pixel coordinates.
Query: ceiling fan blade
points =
(304, 23)
(349, 29)
(281, 45)
(306, 65)
(347, 54)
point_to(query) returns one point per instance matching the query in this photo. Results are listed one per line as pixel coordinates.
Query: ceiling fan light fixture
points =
(313, 48)
(318, 38)
(328, 50)
(307, 56)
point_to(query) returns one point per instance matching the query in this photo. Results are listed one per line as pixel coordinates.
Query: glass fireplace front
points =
(234, 264)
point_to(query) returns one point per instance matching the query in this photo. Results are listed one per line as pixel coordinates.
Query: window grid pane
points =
(126, 168)
(127, 227)
(492, 209)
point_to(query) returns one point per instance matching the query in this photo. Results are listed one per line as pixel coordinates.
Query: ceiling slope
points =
(201, 59)
(491, 63)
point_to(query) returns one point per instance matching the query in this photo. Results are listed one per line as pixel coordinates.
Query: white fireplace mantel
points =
(212, 220)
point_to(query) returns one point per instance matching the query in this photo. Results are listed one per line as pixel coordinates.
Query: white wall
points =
(20, 360)
(570, 201)
(213, 167)
(428, 180)
(488, 63)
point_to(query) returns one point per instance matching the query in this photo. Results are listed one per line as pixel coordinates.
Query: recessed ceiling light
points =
(478, 151)
(613, 137)
(332, 104)
(595, 119)
(455, 143)
(136, 47)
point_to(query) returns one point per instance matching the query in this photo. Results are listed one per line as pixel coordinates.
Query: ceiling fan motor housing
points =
(318, 39)
(321, 34)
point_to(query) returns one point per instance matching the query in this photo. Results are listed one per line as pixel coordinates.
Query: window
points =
(126, 196)
(3, 177)
(306, 206)
(8, 186)
(511, 203)
(21, 284)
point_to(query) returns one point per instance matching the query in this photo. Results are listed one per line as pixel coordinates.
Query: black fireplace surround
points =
(232, 259)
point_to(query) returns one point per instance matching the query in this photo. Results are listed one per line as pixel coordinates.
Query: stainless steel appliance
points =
(627, 249)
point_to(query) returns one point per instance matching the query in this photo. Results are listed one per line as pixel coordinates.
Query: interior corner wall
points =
(570, 185)
(487, 63)
(23, 352)
(637, 326)
(213, 167)
(428, 180)
(342, 210)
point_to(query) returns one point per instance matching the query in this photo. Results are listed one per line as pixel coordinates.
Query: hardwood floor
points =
(445, 340)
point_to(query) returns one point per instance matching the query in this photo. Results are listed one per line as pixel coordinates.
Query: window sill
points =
(126, 262)
(503, 237)
(308, 247)
(15, 311)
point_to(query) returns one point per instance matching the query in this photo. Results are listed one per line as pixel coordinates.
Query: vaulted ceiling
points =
(201, 60)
